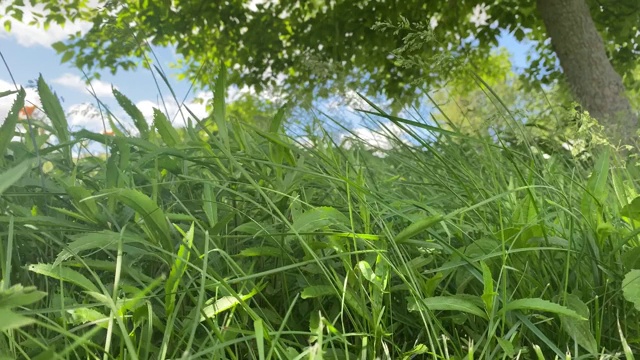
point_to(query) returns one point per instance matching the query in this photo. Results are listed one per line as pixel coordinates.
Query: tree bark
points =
(588, 71)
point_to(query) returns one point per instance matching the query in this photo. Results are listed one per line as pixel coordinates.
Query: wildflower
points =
(26, 112)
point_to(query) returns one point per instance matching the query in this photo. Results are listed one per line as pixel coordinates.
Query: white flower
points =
(479, 16)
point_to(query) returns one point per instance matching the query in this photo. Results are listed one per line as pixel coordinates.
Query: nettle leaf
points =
(632, 210)
(579, 330)
(80, 316)
(166, 130)
(17, 295)
(446, 303)
(8, 128)
(105, 239)
(488, 294)
(53, 109)
(65, 274)
(538, 304)
(134, 113)
(318, 218)
(11, 320)
(631, 288)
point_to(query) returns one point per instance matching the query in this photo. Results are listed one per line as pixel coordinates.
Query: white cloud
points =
(29, 35)
(101, 88)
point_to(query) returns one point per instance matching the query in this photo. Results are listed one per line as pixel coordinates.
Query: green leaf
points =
(55, 113)
(262, 251)
(81, 316)
(538, 304)
(579, 330)
(83, 201)
(259, 330)
(11, 176)
(65, 274)
(134, 113)
(59, 46)
(177, 270)
(318, 218)
(631, 258)
(153, 216)
(217, 306)
(326, 290)
(8, 128)
(210, 204)
(105, 239)
(11, 320)
(446, 303)
(277, 120)
(68, 55)
(317, 291)
(17, 295)
(631, 288)
(506, 346)
(596, 193)
(7, 93)
(417, 227)
(632, 210)
(488, 294)
(366, 271)
(166, 130)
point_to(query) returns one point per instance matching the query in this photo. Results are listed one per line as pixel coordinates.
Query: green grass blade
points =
(11, 176)
(177, 270)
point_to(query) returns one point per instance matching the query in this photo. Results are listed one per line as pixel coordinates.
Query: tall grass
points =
(241, 244)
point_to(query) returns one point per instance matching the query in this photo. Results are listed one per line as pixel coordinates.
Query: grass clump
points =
(225, 241)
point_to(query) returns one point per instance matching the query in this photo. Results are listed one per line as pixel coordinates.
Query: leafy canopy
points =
(362, 44)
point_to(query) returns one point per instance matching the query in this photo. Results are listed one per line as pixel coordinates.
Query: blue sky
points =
(28, 52)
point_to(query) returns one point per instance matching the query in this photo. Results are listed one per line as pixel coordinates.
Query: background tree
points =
(316, 44)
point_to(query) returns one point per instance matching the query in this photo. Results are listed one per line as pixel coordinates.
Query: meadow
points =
(225, 240)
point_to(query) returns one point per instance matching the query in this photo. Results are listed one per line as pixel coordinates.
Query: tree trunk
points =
(588, 71)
